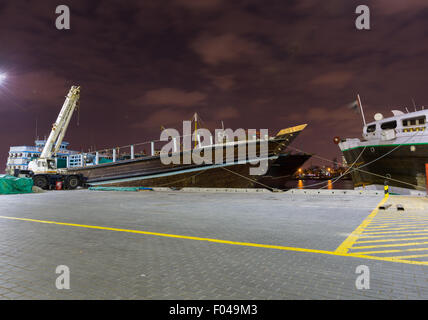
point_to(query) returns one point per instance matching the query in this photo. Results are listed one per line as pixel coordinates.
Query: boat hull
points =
(283, 169)
(152, 172)
(399, 167)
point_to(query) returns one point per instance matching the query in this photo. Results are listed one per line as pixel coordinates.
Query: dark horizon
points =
(142, 65)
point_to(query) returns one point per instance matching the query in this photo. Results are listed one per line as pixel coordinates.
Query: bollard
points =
(386, 188)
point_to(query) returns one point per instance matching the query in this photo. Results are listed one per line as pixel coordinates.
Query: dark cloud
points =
(252, 64)
(171, 97)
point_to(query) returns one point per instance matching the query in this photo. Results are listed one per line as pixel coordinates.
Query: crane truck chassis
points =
(48, 181)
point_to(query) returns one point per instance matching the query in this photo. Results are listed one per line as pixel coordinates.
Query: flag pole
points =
(361, 108)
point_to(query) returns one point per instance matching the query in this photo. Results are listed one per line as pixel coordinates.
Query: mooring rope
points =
(368, 172)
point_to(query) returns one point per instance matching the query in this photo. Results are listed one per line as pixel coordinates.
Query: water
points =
(318, 184)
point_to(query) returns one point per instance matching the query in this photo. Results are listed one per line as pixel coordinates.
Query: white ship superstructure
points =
(20, 156)
(392, 150)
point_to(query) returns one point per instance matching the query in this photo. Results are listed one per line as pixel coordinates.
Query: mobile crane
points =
(43, 170)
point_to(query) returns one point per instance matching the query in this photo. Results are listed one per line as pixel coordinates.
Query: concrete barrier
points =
(335, 192)
(291, 191)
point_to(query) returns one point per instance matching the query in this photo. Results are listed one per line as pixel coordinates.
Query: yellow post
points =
(386, 187)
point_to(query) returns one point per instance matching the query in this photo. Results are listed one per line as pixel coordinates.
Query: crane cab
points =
(42, 166)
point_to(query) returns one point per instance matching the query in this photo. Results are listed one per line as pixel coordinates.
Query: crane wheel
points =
(72, 182)
(41, 182)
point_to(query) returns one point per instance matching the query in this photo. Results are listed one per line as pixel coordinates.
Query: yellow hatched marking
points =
(390, 233)
(344, 247)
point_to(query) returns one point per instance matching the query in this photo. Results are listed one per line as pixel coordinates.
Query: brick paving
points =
(108, 264)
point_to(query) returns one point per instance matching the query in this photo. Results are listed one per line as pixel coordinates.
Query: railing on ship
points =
(138, 150)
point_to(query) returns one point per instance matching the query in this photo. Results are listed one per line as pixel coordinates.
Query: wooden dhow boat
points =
(230, 172)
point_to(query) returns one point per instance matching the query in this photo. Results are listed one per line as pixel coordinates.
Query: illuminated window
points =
(414, 121)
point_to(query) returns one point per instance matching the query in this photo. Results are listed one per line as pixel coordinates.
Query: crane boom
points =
(60, 126)
(43, 170)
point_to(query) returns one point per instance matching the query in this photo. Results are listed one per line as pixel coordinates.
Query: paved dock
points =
(205, 245)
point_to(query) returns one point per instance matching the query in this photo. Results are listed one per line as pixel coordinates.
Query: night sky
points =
(253, 64)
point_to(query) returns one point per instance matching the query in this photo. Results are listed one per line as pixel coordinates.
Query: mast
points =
(196, 129)
(361, 108)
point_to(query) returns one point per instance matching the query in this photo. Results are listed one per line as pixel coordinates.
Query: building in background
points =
(20, 156)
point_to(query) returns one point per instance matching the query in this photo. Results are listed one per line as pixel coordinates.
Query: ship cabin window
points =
(414, 122)
(371, 128)
(389, 125)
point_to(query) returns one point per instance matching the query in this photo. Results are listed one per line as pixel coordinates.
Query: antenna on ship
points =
(414, 104)
(361, 108)
(196, 128)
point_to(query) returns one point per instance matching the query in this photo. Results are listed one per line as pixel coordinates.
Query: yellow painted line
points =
(246, 244)
(393, 225)
(393, 251)
(384, 217)
(391, 240)
(344, 247)
(404, 217)
(394, 213)
(399, 219)
(390, 245)
(398, 228)
(386, 232)
(412, 256)
(394, 235)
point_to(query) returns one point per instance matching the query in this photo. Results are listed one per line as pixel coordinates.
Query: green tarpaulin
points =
(14, 185)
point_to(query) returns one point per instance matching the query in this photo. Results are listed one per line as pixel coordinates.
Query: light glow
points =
(2, 77)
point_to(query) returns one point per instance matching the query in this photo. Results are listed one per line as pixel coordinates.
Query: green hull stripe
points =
(387, 145)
